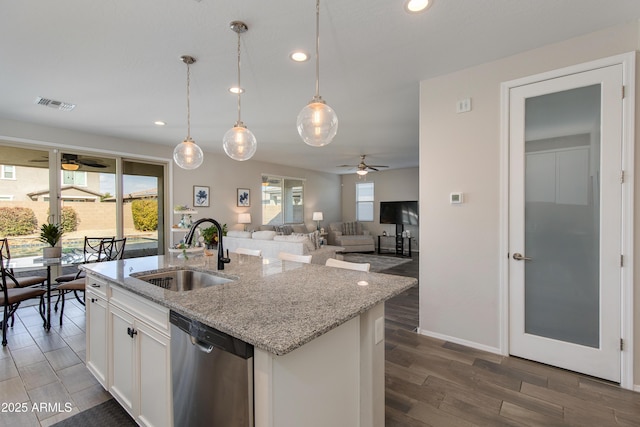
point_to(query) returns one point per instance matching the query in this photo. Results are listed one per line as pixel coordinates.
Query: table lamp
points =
(244, 218)
(317, 216)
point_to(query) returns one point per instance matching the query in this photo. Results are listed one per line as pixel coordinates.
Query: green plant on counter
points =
(50, 234)
(210, 234)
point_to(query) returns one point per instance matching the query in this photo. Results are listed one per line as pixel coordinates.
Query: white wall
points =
(459, 267)
(222, 174)
(389, 185)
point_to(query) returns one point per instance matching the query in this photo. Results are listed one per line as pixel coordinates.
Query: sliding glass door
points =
(89, 194)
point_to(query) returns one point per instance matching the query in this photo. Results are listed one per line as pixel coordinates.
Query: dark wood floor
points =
(430, 382)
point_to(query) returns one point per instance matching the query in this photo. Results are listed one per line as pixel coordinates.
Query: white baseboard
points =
(461, 341)
(636, 388)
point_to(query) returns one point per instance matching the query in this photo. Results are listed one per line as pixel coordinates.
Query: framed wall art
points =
(244, 197)
(200, 196)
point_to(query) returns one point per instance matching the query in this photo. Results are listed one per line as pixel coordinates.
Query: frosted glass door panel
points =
(562, 216)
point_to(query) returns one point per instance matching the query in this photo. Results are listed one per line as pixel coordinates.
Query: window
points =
(8, 172)
(78, 178)
(282, 200)
(364, 201)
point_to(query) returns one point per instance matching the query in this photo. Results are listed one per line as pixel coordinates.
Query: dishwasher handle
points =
(200, 345)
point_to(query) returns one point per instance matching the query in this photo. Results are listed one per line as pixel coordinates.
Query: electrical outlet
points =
(379, 330)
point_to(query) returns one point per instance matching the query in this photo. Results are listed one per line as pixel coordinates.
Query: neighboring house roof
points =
(66, 188)
(151, 193)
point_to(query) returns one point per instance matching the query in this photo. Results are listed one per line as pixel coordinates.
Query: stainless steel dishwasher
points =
(212, 374)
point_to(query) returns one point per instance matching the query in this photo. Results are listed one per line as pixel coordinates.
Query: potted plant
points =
(210, 235)
(51, 234)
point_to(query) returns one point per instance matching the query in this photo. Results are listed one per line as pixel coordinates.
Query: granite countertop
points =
(274, 305)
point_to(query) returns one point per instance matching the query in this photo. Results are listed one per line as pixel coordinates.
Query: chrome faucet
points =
(189, 238)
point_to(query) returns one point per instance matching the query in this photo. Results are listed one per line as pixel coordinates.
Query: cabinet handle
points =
(131, 332)
(94, 299)
(95, 285)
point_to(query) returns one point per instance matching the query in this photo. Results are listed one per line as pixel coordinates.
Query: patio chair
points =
(12, 294)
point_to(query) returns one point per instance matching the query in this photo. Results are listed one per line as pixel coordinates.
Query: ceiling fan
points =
(363, 168)
(72, 162)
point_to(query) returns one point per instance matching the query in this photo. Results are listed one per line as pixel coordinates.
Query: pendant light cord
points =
(188, 102)
(239, 87)
(317, 48)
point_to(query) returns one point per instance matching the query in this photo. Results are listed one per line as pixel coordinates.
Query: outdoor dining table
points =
(32, 263)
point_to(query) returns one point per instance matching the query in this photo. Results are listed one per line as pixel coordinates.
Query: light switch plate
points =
(463, 105)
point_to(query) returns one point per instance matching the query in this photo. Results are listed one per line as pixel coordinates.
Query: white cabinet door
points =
(97, 336)
(122, 356)
(154, 376)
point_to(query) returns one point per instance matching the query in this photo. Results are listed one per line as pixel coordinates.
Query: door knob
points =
(519, 257)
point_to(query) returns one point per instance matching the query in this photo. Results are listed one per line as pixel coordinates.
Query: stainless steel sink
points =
(183, 280)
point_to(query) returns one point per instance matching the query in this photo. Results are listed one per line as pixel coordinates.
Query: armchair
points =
(351, 236)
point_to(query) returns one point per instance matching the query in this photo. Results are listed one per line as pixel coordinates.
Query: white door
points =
(565, 198)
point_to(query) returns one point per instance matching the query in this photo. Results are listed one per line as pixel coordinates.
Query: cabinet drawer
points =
(150, 312)
(97, 286)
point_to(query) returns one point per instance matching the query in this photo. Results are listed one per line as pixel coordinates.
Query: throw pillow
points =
(315, 239)
(308, 245)
(349, 228)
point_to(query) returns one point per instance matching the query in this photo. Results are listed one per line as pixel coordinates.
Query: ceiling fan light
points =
(239, 142)
(317, 123)
(70, 166)
(188, 155)
(362, 172)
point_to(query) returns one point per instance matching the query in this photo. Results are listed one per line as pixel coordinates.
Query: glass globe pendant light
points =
(317, 122)
(187, 154)
(239, 142)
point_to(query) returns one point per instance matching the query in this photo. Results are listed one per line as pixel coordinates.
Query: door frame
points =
(628, 62)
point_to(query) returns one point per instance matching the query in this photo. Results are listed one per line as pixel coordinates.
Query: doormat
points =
(107, 414)
(378, 263)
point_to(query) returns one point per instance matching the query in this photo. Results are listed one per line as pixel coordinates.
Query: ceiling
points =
(118, 61)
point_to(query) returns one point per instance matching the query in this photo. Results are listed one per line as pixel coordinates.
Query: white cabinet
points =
(121, 372)
(97, 328)
(128, 351)
(140, 369)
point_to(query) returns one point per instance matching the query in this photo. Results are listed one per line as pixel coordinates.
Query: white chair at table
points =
(332, 262)
(245, 251)
(286, 256)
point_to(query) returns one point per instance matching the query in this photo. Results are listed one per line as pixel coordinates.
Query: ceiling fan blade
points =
(378, 166)
(372, 168)
(91, 163)
(347, 166)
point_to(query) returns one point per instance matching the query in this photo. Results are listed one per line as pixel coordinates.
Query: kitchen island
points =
(317, 332)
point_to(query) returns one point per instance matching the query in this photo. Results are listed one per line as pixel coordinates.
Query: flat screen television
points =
(399, 212)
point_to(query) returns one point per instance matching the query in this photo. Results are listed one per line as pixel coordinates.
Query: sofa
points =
(351, 236)
(271, 244)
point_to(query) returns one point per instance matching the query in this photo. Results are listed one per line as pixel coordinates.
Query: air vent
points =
(56, 105)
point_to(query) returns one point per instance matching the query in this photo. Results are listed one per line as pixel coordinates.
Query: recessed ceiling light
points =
(417, 6)
(236, 90)
(159, 123)
(299, 56)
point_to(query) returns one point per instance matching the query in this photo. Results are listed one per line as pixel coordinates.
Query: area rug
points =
(378, 263)
(107, 414)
